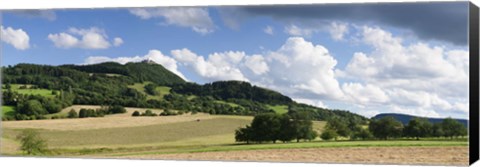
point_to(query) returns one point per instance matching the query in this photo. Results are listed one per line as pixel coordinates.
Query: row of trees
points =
(388, 127)
(271, 127)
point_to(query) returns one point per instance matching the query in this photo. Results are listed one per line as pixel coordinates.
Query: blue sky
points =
(324, 55)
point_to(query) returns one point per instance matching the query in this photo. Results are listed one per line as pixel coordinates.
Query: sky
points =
(409, 58)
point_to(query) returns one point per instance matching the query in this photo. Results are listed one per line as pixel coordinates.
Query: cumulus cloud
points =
(338, 30)
(92, 38)
(295, 30)
(18, 38)
(268, 30)
(153, 55)
(288, 69)
(198, 19)
(414, 78)
(117, 41)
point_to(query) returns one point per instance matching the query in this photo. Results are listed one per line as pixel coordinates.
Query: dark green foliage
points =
(273, 127)
(136, 114)
(116, 109)
(362, 134)
(72, 114)
(339, 126)
(138, 72)
(452, 128)
(418, 127)
(386, 127)
(328, 134)
(151, 89)
(31, 108)
(83, 113)
(224, 90)
(32, 143)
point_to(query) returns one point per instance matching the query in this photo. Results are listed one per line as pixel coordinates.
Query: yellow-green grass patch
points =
(8, 111)
(162, 90)
(29, 91)
(279, 109)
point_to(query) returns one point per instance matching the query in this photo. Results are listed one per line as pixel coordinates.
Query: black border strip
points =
(474, 83)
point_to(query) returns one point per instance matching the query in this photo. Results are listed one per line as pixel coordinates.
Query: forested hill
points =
(145, 85)
(140, 72)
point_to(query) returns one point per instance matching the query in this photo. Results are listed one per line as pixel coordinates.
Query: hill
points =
(112, 84)
(404, 118)
(140, 72)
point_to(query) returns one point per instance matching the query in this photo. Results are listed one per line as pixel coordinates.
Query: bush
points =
(136, 114)
(72, 114)
(32, 143)
(117, 109)
(328, 134)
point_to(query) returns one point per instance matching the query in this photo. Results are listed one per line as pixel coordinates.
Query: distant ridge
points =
(404, 118)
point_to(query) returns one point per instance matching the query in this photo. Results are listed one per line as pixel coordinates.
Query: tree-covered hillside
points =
(113, 84)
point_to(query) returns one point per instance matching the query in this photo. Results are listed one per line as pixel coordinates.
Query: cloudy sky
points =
(366, 58)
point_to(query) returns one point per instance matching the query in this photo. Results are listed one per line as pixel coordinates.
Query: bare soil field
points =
(457, 155)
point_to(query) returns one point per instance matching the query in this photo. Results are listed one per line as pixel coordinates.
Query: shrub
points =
(328, 134)
(136, 114)
(32, 143)
(72, 114)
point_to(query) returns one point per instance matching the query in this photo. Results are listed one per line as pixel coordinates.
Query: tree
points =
(32, 143)
(31, 108)
(437, 130)
(386, 127)
(288, 131)
(452, 128)
(266, 127)
(339, 126)
(83, 113)
(418, 127)
(136, 114)
(243, 134)
(362, 134)
(72, 114)
(151, 89)
(328, 134)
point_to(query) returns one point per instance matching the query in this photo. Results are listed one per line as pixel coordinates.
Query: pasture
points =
(162, 90)
(30, 91)
(7, 110)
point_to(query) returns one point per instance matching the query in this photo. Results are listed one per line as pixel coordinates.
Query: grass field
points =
(42, 92)
(280, 109)
(162, 90)
(7, 110)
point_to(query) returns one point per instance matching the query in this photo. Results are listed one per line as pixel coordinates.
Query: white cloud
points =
(153, 55)
(288, 69)
(415, 78)
(268, 30)
(218, 66)
(338, 30)
(92, 38)
(117, 41)
(15, 37)
(198, 19)
(361, 95)
(295, 30)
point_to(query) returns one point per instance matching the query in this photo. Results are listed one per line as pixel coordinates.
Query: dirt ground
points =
(361, 155)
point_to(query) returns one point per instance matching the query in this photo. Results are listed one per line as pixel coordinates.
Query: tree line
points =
(390, 128)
